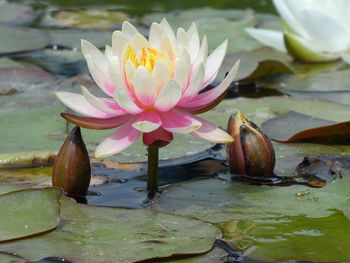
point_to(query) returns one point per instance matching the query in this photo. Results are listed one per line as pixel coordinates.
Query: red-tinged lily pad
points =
(99, 234)
(19, 39)
(294, 127)
(28, 212)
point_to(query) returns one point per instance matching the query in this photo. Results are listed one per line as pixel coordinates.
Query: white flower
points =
(314, 30)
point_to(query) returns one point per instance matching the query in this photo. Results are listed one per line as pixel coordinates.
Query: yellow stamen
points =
(148, 58)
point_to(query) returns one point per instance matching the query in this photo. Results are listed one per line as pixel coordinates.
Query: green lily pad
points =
(256, 63)
(16, 13)
(44, 129)
(342, 97)
(27, 213)
(321, 81)
(93, 18)
(306, 128)
(210, 22)
(7, 62)
(260, 215)
(6, 188)
(98, 234)
(216, 255)
(71, 38)
(26, 176)
(18, 39)
(20, 86)
(267, 61)
(27, 159)
(7, 258)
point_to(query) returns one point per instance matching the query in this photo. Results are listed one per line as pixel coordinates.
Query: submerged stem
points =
(152, 169)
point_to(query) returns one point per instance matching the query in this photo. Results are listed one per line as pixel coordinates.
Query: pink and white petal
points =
(129, 70)
(119, 41)
(78, 103)
(194, 86)
(102, 78)
(214, 62)
(96, 123)
(89, 50)
(105, 105)
(121, 139)
(203, 99)
(271, 38)
(124, 100)
(182, 38)
(169, 96)
(210, 132)
(193, 45)
(115, 72)
(155, 35)
(139, 42)
(179, 122)
(144, 87)
(160, 75)
(108, 52)
(166, 47)
(168, 29)
(128, 29)
(169, 64)
(202, 54)
(158, 135)
(148, 121)
(182, 70)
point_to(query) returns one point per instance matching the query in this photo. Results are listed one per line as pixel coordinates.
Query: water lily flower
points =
(154, 87)
(313, 30)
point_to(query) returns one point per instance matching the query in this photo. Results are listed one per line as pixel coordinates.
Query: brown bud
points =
(72, 170)
(251, 153)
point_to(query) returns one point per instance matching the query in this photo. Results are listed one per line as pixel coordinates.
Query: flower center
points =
(148, 58)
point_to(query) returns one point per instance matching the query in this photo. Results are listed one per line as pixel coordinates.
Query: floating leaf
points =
(71, 38)
(27, 83)
(210, 23)
(100, 19)
(257, 63)
(15, 13)
(7, 258)
(18, 39)
(7, 62)
(320, 81)
(27, 159)
(306, 128)
(31, 130)
(116, 235)
(216, 255)
(27, 213)
(262, 216)
(32, 176)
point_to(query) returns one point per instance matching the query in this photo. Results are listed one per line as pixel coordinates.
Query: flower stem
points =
(152, 169)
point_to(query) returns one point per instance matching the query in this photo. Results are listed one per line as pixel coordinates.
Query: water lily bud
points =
(72, 170)
(251, 153)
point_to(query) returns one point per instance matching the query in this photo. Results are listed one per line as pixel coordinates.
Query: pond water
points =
(260, 220)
